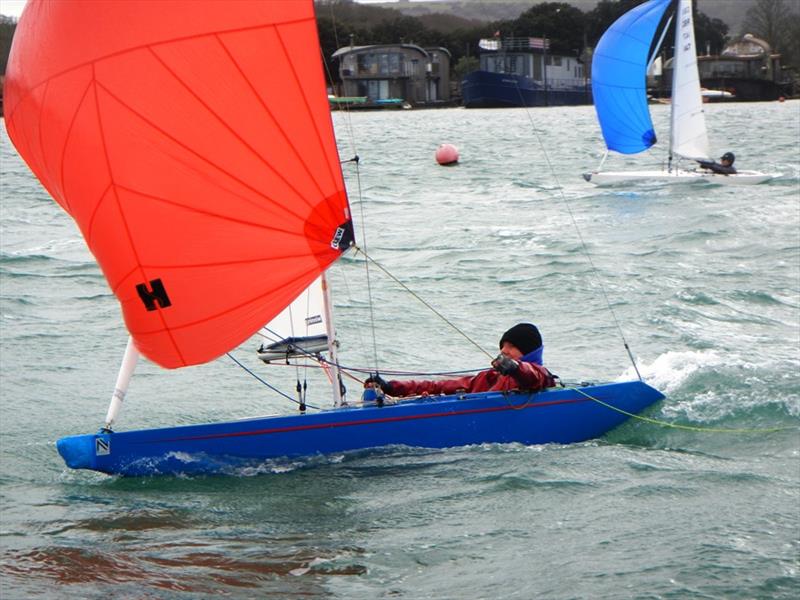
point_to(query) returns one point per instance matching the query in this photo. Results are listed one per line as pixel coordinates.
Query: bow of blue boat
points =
(559, 415)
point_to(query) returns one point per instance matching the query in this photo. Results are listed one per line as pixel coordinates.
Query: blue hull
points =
(554, 416)
(483, 89)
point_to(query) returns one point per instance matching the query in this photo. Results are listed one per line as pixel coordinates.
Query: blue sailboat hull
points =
(553, 416)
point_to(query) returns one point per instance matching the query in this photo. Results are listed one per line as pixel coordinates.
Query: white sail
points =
(688, 136)
(301, 329)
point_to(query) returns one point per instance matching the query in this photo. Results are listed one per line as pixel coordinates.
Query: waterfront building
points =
(746, 68)
(394, 74)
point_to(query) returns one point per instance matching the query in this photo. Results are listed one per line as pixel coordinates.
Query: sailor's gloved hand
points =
(376, 380)
(504, 364)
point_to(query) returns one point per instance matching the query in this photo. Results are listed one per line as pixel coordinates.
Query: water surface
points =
(704, 283)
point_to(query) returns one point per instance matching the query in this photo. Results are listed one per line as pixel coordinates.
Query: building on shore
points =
(747, 69)
(393, 74)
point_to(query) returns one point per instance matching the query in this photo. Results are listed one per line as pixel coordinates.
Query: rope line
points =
(366, 266)
(584, 247)
(422, 300)
(676, 425)
(345, 368)
(269, 385)
(649, 420)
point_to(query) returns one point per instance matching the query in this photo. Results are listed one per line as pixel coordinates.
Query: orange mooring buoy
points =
(447, 154)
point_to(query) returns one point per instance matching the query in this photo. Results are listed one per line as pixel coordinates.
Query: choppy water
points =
(704, 281)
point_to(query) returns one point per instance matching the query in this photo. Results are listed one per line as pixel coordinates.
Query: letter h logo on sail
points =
(156, 294)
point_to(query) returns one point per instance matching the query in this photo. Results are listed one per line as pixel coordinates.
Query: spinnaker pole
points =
(126, 370)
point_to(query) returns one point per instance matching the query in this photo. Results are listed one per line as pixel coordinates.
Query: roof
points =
(747, 46)
(440, 49)
(355, 49)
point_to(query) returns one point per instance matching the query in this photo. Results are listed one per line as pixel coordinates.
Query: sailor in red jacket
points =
(517, 367)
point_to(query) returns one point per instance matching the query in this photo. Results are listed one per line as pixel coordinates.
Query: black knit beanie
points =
(524, 336)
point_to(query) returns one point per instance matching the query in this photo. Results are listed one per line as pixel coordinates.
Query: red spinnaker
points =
(191, 141)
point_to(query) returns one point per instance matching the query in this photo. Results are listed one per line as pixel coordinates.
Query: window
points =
(374, 89)
(366, 64)
(394, 63)
(537, 67)
(511, 64)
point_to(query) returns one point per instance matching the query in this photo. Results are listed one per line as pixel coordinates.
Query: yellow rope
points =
(675, 425)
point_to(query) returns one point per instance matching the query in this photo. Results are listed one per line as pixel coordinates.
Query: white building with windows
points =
(388, 72)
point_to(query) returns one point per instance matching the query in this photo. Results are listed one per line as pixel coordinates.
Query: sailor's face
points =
(510, 350)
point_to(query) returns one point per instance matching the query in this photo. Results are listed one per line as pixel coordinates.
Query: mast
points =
(333, 343)
(544, 67)
(675, 71)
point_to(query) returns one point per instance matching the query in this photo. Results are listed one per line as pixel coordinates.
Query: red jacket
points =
(528, 377)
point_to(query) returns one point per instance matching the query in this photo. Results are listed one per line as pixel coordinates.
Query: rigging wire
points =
(322, 362)
(584, 247)
(369, 259)
(355, 328)
(269, 385)
(366, 268)
(355, 159)
(298, 387)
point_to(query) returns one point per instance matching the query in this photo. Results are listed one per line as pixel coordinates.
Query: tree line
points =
(7, 26)
(569, 29)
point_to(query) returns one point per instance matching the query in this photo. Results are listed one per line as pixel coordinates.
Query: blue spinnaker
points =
(619, 76)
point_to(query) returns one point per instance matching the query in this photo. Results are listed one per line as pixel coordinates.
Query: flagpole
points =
(544, 65)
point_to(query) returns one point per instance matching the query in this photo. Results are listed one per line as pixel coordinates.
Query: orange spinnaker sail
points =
(191, 141)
